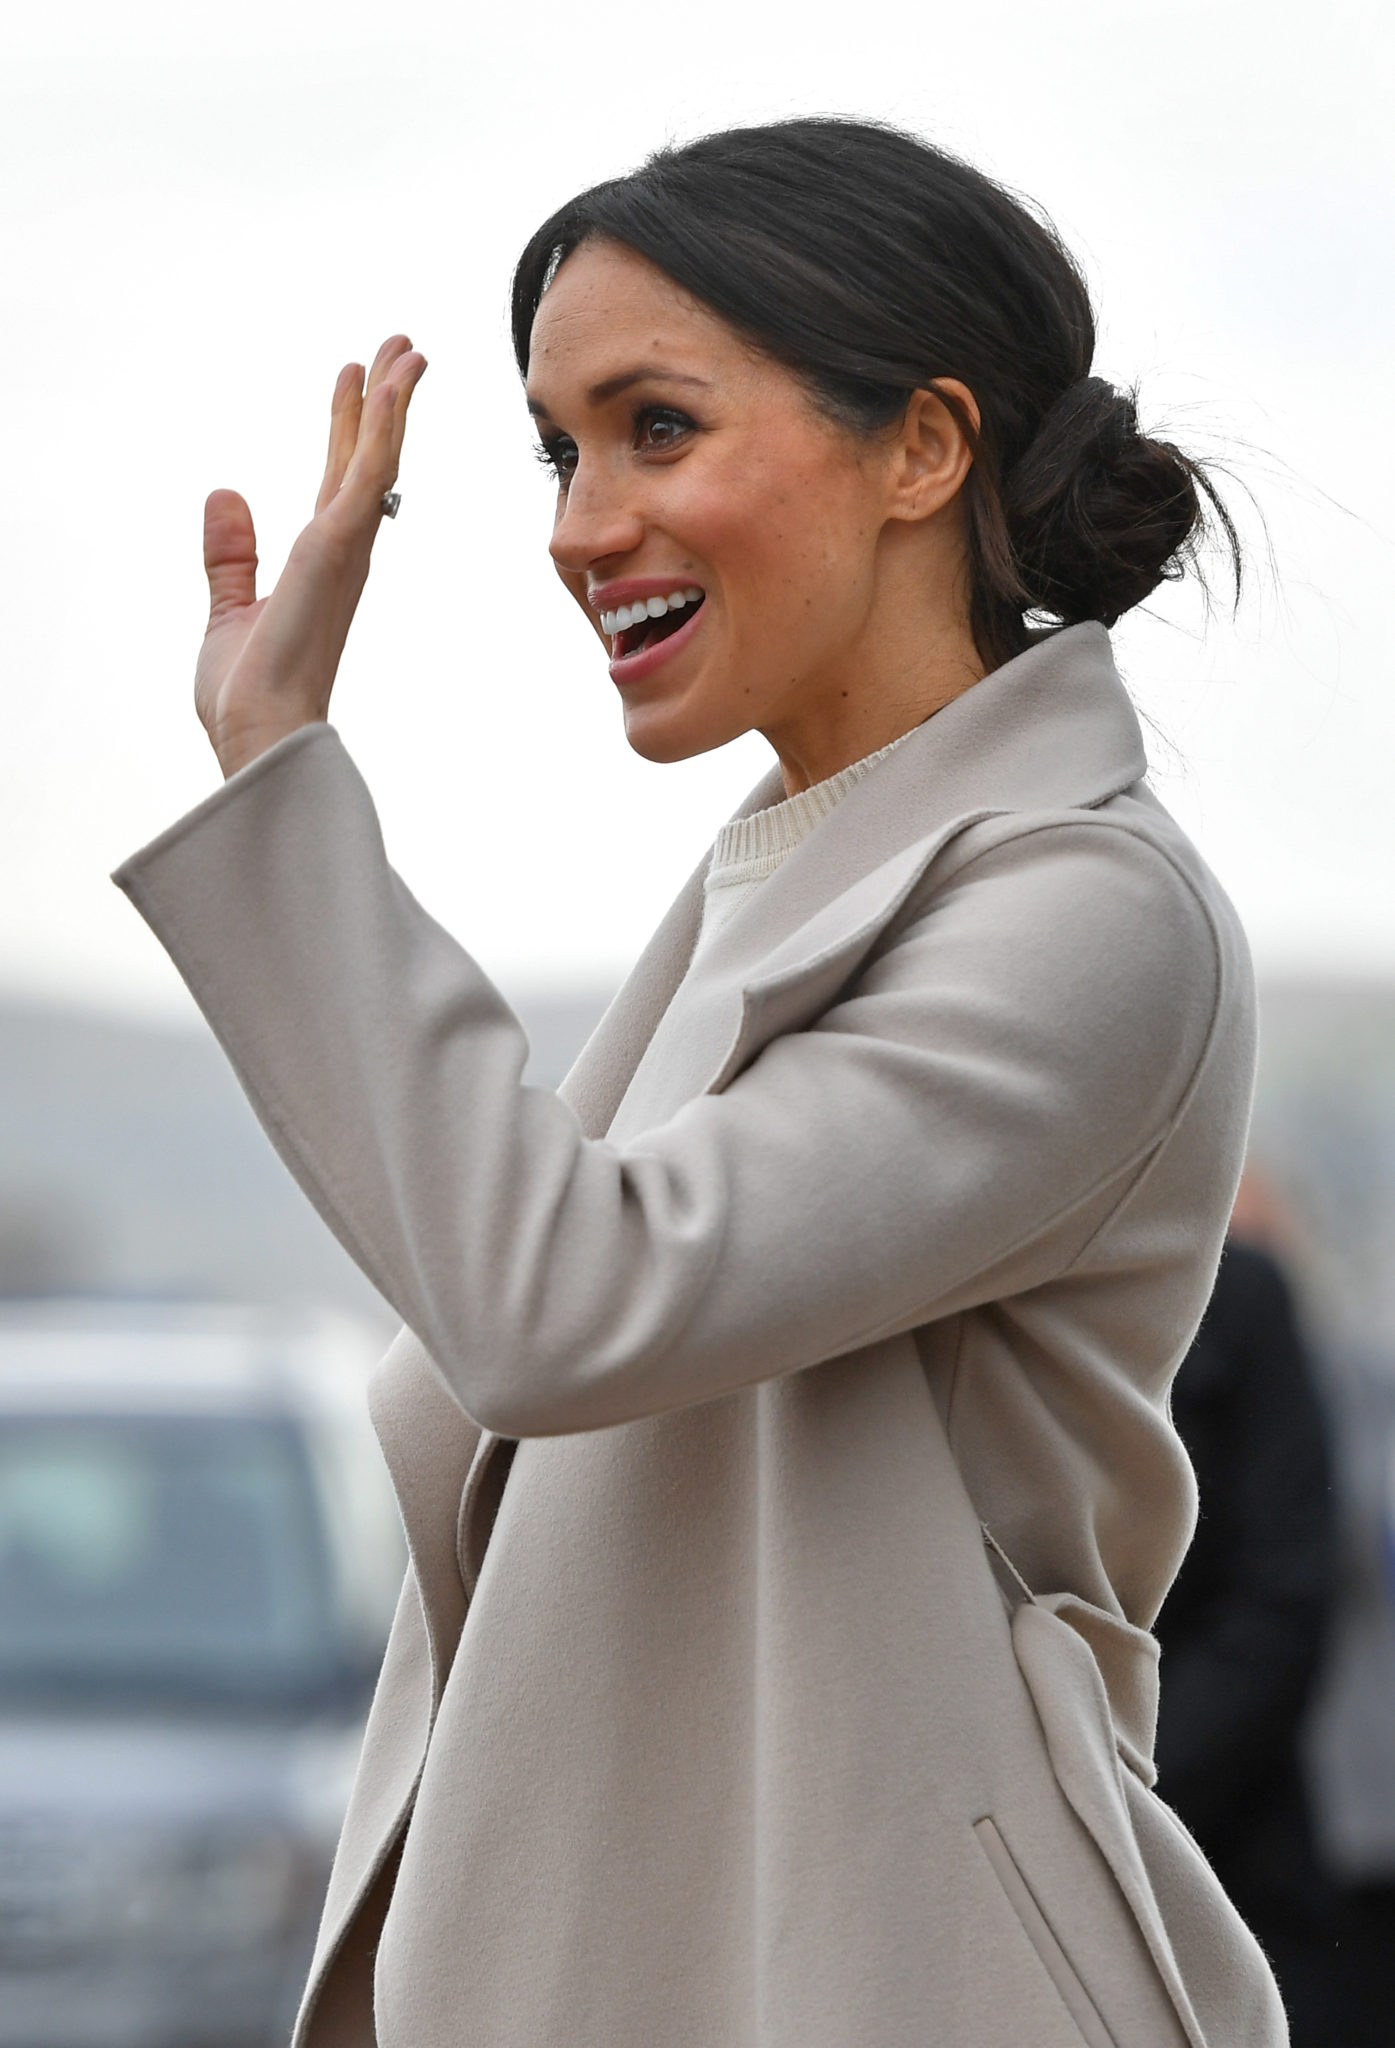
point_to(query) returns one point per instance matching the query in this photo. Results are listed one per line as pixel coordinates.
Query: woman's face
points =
(696, 479)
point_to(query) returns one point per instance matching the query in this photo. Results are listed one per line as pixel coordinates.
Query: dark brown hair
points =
(873, 265)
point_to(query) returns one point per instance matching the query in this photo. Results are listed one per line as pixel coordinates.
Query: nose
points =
(597, 517)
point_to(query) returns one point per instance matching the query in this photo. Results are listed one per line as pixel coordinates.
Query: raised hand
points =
(267, 665)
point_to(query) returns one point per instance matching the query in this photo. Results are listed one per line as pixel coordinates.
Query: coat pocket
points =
(1037, 1928)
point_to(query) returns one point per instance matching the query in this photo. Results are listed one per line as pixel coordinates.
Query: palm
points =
(267, 665)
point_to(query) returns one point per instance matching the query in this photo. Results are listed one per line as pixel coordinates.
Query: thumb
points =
(229, 553)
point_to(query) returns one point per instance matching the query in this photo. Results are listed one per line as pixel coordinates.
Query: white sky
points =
(209, 210)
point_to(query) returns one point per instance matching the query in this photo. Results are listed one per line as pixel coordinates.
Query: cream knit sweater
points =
(749, 849)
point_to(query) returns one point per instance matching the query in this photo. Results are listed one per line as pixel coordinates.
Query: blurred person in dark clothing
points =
(1242, 1629)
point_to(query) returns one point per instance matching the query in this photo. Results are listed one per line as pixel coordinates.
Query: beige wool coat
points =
(712, 1718)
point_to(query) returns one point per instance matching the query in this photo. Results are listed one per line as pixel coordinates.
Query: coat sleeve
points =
(945, 1134)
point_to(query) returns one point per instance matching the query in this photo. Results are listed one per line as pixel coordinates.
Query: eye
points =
(658, 428)
(557, 454)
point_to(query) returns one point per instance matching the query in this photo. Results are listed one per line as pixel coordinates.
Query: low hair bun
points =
(1098, 513)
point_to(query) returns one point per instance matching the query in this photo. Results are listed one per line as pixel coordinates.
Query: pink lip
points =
(635, 668)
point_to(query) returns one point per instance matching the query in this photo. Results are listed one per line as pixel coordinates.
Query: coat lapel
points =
(605, 1066)
(428, 1442)
(597, 1081)
(593, 1090)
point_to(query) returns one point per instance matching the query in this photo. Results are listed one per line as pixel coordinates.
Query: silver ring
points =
(390, 501)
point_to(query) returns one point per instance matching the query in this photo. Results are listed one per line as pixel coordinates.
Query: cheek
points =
(803, 560)
(782, 542)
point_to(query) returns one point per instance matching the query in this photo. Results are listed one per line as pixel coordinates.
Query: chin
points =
(665, 733)
(681, 726)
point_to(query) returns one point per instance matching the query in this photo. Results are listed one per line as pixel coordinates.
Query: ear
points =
(931, 452)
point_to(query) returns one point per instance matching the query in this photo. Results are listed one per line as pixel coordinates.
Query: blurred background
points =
(205, 214)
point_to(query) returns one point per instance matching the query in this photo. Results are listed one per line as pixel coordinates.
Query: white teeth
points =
(629, 615)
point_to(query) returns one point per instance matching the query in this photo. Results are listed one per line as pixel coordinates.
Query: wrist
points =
(237, 747)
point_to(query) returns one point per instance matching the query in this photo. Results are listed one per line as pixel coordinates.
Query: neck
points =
(874, 702)
(909, 654)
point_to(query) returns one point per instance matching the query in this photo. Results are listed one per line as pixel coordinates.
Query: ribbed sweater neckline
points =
(749, 849)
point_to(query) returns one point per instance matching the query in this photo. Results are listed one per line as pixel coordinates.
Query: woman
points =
(781, 1419)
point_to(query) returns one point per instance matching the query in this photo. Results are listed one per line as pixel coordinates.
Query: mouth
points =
(639, 628)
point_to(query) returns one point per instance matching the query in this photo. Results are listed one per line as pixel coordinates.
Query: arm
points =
(946, 1134)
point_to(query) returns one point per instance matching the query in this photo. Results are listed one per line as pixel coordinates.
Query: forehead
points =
(608, 307)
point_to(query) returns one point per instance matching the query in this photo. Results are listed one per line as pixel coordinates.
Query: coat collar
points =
(1053, 729)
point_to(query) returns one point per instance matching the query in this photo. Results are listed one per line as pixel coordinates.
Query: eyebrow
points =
(611, 387)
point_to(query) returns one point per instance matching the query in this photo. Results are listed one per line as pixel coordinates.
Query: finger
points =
(410, 371)
(344, 414)
(374, 467)
(396, 346)
(229, 553)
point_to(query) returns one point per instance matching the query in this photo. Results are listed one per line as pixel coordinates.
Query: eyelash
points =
(553, 451)
(547, 450)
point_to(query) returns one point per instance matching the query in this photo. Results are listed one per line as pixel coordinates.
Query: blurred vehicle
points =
(199, 1555)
